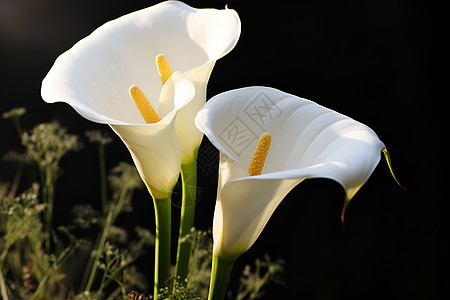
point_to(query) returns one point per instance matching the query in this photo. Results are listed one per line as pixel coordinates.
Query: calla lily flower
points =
(95, 74)
(134, 56)
(308, 141)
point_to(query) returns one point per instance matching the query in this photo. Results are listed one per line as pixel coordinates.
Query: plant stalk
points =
(220, 275)
(103, 187)
(48, 193)
(4, 291)
(189, 187)
(99, 250)
(18, 126)
(113, 211)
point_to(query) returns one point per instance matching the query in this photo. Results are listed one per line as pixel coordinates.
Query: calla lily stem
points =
(220, 275)
(162, 243)
(189, 186)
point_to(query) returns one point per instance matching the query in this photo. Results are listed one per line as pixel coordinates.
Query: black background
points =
(383, 63)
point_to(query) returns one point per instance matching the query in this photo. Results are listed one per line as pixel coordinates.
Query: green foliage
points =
(179, 291)
(16, 112)
(124, 178)
(200, 261)
(38, 261)
(15, 115)
(47, 143)
(84, 217)
(98, 137)
(20, 218)
(252, 282)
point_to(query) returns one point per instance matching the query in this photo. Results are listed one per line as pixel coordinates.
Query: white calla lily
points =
(95, 74)
(98, 75)
(155, 148)
(308, 141)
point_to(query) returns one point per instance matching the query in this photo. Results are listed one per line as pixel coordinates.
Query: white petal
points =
(308, 141)
(190, 136)
(243, 209)
(94, 75)
(156, 152)
(155, 148)
(176, 94)
(220, 31)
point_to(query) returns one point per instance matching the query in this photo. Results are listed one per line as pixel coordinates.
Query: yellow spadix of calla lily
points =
(260, 155)
(163, 67)
(143, 105)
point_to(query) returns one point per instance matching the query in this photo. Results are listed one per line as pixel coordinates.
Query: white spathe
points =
(308, 141)
(95, 74)
(155, 148)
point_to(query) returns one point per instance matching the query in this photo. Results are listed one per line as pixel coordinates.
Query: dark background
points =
(383, 63)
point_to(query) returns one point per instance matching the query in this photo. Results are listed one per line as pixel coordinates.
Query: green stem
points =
(220, 275)
(3, 255)
(189, 186)
(3, 289)
(162, 243)
(16, 180)
(52, 270)
(101, 155)
(49, 197)
(99, 250)
(93, 263)
(18, 126)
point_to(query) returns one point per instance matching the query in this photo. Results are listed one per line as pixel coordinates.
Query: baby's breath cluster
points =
(252, 282)
(16, 112)
(178, 291)
(98, 137)
(20, 217)
(47, 143)
(125, 175)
